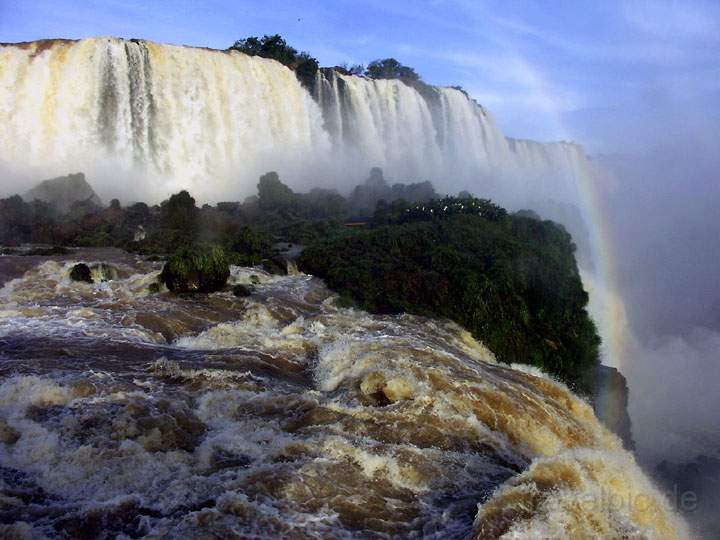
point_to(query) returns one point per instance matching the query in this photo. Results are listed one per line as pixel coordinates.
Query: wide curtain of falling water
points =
(143, 119)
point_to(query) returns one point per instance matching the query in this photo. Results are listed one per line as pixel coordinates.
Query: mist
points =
(661, 201)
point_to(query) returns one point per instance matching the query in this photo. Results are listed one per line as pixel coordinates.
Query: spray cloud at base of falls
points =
(143, 120)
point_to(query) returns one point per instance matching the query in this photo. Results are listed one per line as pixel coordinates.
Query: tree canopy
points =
(389, 68)
(275, 47)
(273, 194)
(511, 281)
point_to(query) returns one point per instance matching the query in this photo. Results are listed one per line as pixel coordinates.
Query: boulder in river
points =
(241, 290)
(81, 272)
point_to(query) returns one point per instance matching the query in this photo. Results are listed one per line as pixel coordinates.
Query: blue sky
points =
(613, 75)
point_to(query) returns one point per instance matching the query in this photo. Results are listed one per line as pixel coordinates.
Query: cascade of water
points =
(154, 118)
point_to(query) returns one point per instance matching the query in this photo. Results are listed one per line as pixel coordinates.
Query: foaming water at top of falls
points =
(131, 413)
(143, 119)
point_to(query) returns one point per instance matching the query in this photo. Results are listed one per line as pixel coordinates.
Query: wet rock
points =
(119, 518)
(81, 272)
(83, 389)
(222, 459)
(608, 394)
(194, 270)
(155, 287)
(278, 265)
(241, 291)
(8, 435)
(159, 427)
(44, 413)
(385, 391)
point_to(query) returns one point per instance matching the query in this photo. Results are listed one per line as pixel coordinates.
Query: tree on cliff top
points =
(273, 194)
(275, 47)
(389, 68)
(180, 213)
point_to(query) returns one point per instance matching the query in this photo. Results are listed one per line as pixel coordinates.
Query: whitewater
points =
(126, 412)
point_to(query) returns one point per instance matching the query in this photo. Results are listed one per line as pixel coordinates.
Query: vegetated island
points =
(510, 279)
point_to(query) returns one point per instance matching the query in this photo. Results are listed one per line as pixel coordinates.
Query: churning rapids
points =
(284, 415)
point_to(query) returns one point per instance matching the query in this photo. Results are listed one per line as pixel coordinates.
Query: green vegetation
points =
(389, 68)
(275, 47)
(196, 270)
(511, 281)
(179, 213)
(273, 194)
(306, 67)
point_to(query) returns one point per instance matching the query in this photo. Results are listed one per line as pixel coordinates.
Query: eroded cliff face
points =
(609, 398)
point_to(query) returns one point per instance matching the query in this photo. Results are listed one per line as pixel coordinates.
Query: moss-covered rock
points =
(81, 272)
(196, 270)
(241, 291)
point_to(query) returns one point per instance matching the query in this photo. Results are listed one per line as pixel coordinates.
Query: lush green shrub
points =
(196, 270)
(248, 246)
(512, 281)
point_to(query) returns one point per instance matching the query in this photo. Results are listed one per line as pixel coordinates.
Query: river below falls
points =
(126, 413)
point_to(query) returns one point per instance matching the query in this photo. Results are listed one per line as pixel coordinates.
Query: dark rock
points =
(192, 270)
(81, 272)
(222, 459)
(63, 192)
(8, 434)
(276, 265)
(241, 291)
(608, 394)
(155, 287)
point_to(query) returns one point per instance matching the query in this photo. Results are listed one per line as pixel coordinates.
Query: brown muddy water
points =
(131, 414)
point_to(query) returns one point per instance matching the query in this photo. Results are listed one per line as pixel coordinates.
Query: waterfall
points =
(177, 116)
(144, 119)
